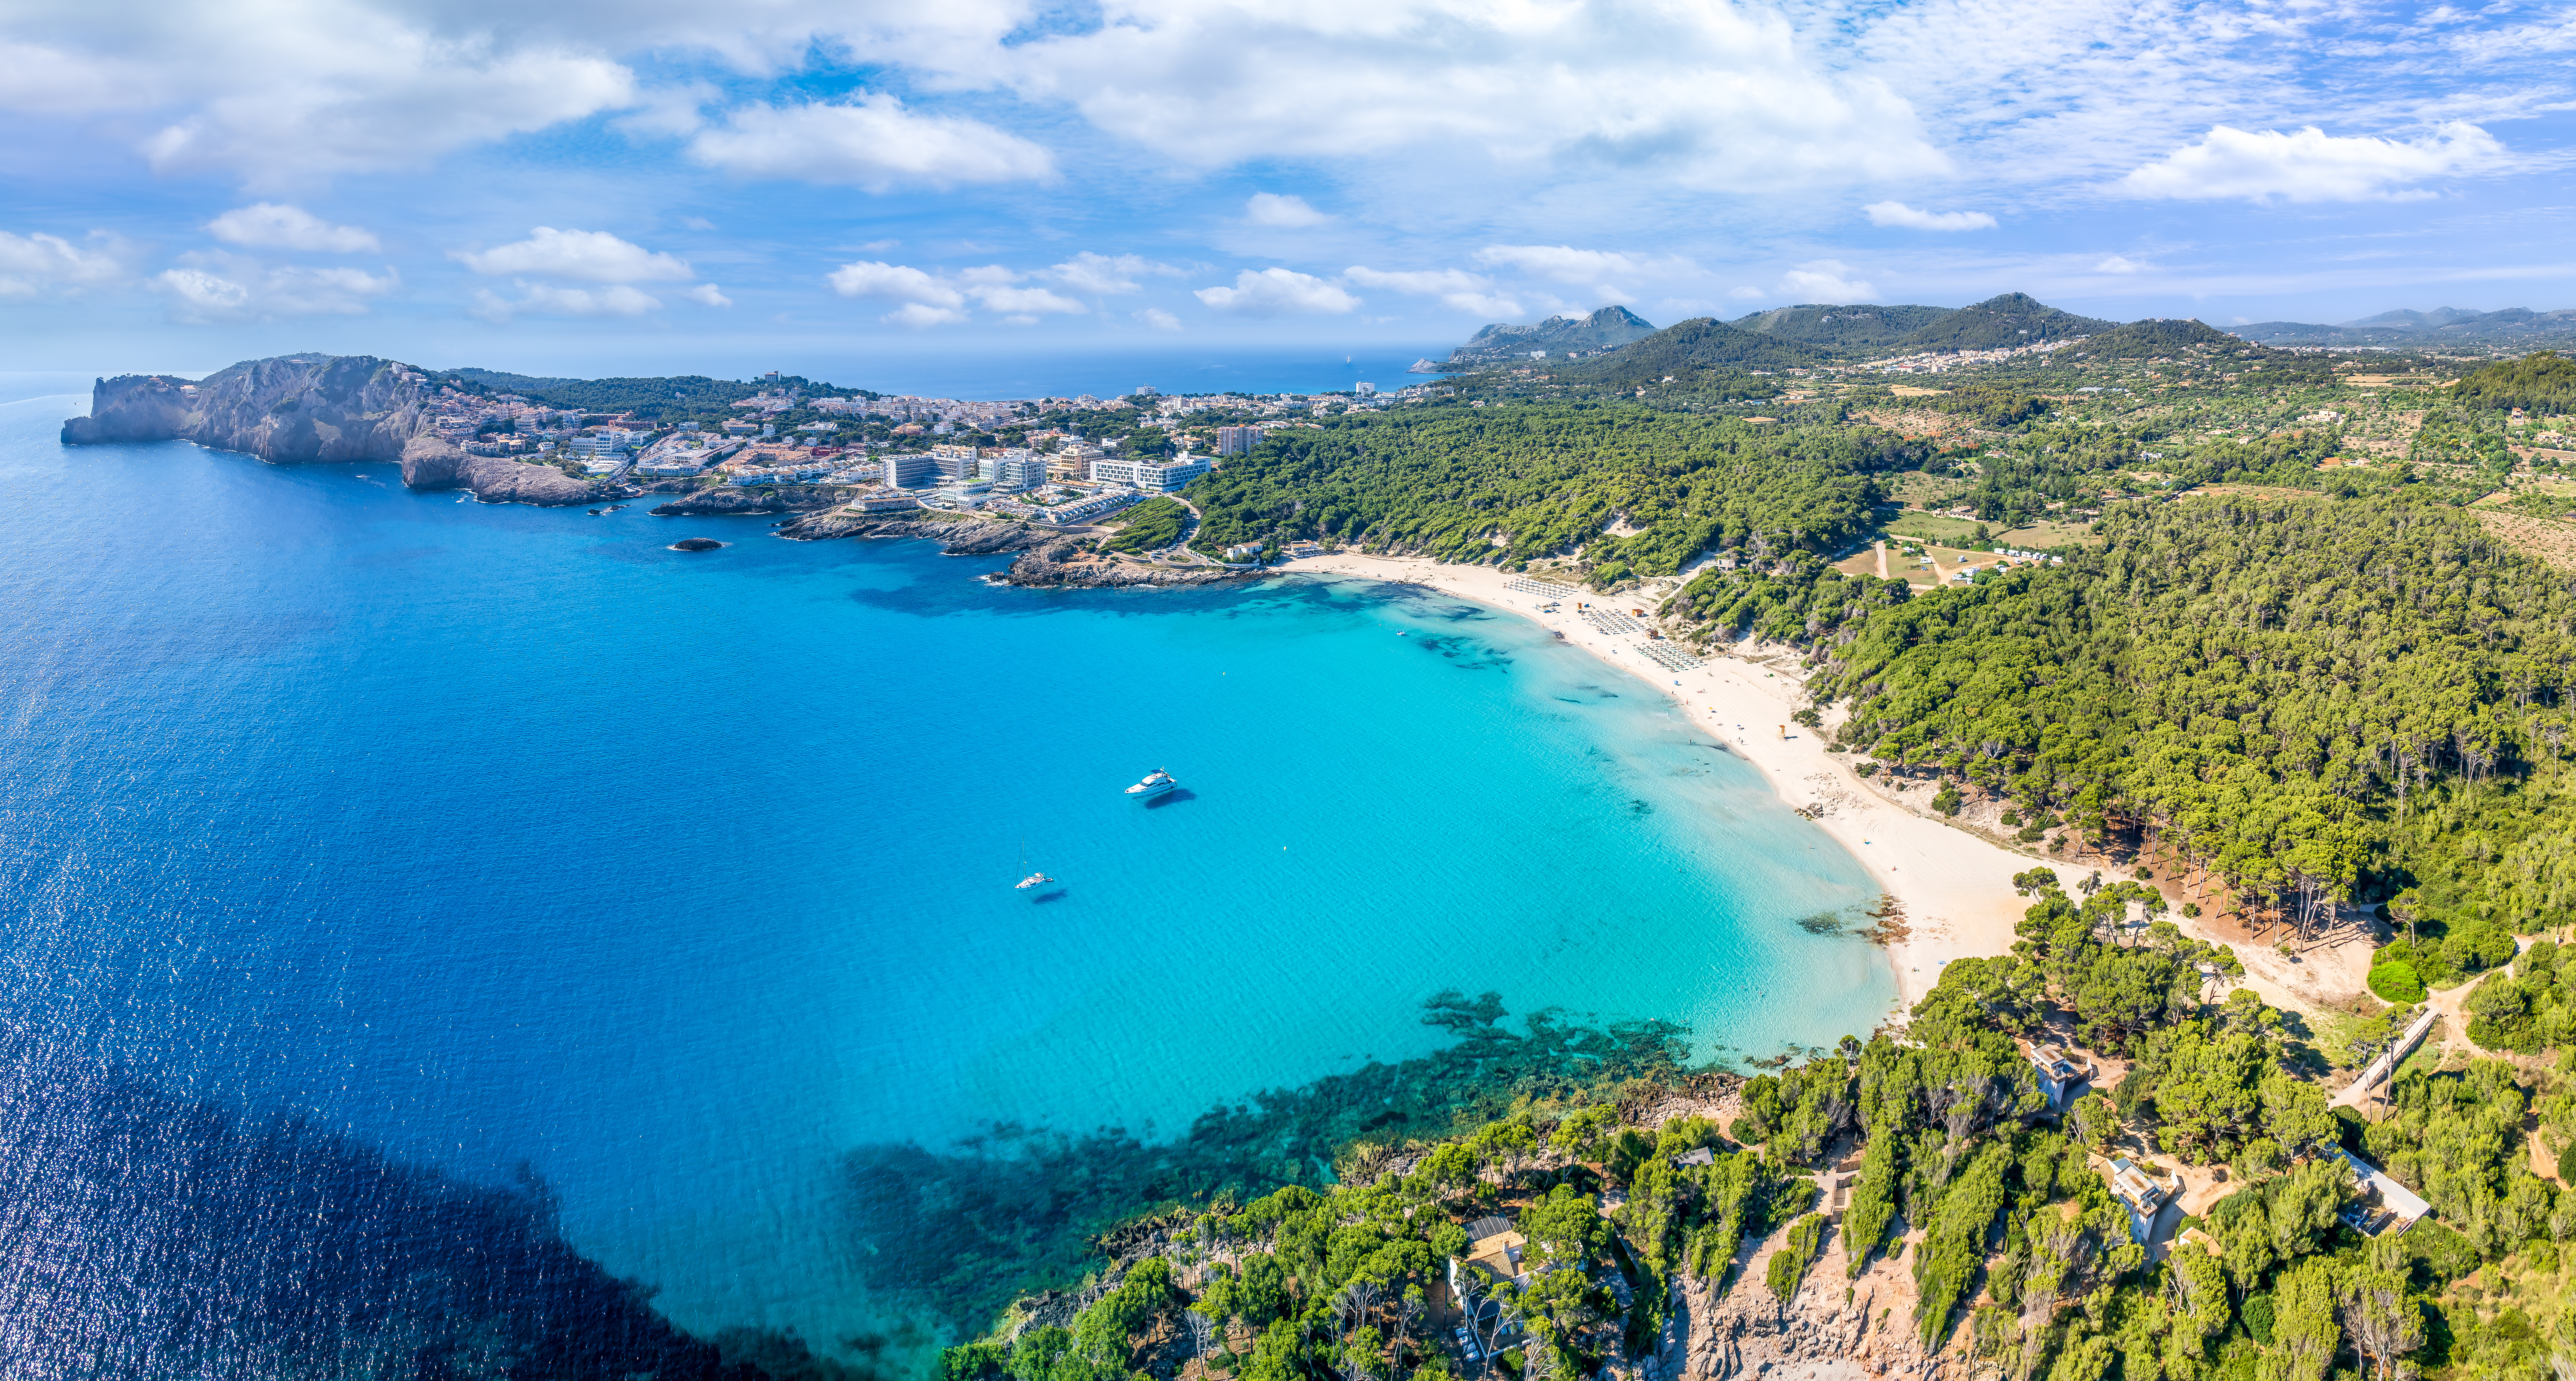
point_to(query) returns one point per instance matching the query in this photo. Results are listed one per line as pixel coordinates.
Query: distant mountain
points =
(1602, 330)
(1998, 323)
(1686, 349)
(2150, 338)
(2441, 326)
(1841, 329)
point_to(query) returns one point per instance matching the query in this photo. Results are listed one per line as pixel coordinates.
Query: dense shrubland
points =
(1993, 1203)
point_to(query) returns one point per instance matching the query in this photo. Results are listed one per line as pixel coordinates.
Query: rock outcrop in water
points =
(728, 499)
(307, 409)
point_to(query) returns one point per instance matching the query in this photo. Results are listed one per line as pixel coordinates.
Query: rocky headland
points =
(318, 409)
(314, 409)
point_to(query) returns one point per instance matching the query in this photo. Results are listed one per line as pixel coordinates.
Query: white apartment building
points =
(1153, 477)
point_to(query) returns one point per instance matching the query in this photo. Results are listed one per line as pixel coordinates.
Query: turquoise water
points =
(490, 835)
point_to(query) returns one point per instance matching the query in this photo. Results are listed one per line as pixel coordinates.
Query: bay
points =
(496, 836)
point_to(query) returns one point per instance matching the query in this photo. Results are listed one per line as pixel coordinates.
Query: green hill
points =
(1999, 323)
(1841, 329)
(2140, 340)
(646, 398)
(2542, 383)
(1688, 351)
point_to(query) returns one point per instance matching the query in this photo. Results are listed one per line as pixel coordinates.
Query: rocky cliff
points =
(434, 462)
(300, 409)
(288, 410)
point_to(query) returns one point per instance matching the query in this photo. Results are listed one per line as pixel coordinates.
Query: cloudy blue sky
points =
(662, 185)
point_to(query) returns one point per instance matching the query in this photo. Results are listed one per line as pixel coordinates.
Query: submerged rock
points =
(696, 544)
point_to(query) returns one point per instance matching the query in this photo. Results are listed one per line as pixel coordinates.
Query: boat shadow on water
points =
(1172, 797)
(1042, 898)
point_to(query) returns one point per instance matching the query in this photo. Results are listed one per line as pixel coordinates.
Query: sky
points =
(658, 186)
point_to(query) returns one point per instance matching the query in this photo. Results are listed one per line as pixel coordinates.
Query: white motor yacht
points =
(1156, 783)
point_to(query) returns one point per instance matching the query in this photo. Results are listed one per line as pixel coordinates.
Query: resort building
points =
(1153, 477)
(1238, 441)
(907, 470)
(2060, 1072)
(2380, 1203)
(1494, 1250)
(1066, 515)
(2142, 1197)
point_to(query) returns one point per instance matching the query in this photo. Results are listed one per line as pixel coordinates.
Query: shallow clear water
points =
(490, 835)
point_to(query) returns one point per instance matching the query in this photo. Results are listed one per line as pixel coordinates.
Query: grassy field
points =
(2040, 536)
(1930, 527)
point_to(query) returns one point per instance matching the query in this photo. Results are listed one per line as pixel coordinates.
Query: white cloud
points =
(2118, 263)
(936, 300)
(1456, 288)
(591, 256)
(549, 300)
(894, 282)
(1159, 319)
(1897, 213)
(31, 265)
(1604, 275)
(707, 294)
(1825, 280)
(214, 288)
(1566, 264)
(1274, 291)
(920, 314)
(872, 142)
(1711, 97)
(283, 91)
(1106, 273)
(1747, 294)
(2312, 165)
(267, 225)
(1273, 208)
(1024, 300)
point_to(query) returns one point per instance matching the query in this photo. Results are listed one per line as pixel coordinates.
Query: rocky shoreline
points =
(1046, 557)
(323, 409)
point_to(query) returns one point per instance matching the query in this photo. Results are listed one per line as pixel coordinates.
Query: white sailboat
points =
(1033, 879)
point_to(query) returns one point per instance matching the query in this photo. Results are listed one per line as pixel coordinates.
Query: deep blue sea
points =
(491, 837)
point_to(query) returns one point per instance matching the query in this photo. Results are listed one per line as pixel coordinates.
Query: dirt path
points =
(1882, 559)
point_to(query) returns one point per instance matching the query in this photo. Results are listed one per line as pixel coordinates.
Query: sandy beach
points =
(1953, 889)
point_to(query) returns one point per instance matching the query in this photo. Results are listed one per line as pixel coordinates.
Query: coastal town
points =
(1061, 462)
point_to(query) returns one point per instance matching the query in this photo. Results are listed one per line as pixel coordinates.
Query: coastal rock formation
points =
(727, 499)
(288, 410)
(696, 544)
(955, 536)
(1837, 1329)
(433, 462)
(1065, 562)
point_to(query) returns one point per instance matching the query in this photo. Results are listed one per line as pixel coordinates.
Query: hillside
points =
(1685, 352)
(1841, 329)
(647, 398)
(1999, 323)
(2540, 383)
(2442, 326)
(2148, 339)
(1603, 329)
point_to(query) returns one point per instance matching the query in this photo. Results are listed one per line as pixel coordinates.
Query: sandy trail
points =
(1953, 888)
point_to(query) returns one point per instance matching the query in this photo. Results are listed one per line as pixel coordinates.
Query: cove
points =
(495, 837)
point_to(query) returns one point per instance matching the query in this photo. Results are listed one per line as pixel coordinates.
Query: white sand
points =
(1954, 888)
